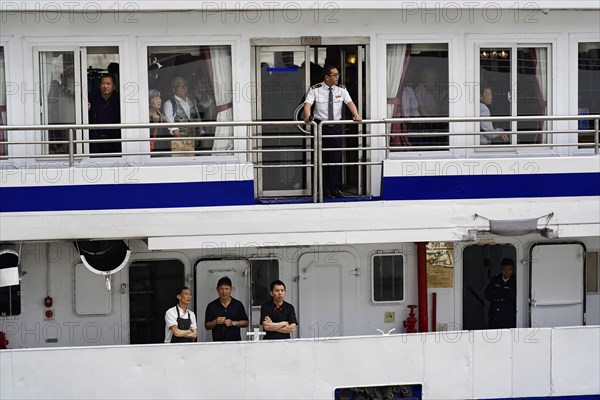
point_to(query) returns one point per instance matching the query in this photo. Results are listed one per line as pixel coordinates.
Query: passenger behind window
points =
(495, 136)
(61, 110)
(104, 107)
(182, 108)
(432, 102)
(155, 115)
(204, 96)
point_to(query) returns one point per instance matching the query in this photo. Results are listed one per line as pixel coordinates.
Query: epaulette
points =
(318, 85)
(342, 86)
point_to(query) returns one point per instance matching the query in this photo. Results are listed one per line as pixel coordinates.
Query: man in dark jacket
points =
(502, 294)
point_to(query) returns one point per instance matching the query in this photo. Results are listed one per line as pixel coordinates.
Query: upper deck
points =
(433, 172)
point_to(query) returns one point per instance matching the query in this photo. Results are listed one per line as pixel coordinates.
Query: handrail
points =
(314, 141)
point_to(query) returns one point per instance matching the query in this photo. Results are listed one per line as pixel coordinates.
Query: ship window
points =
(514, 81)
(414, 391)
(591, 272)
(203, 74)
(388, 277)
(264, 271)
(3, 134)
(417, 86)
(588, 94)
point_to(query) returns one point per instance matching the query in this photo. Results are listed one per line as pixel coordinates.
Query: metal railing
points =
(367, 143)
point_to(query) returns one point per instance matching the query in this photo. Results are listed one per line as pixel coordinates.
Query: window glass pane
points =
(588, 94)
(57, 80)
(3, 134)
(190, 84)
(591, 272)
(263, 273)
(388, 277)
(417, 86)
(532, 92)
(103, 96)
(495, 86)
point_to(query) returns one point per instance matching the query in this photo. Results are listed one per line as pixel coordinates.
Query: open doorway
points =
(480, 264)
(283, 76)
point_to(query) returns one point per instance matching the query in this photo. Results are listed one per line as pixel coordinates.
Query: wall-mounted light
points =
(351, 58)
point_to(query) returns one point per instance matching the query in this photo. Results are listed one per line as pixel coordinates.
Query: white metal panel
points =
(327, 293)
(492, 358)
(305, 369)
(91, 295)
(449, 364)
(150, 371)
(576, 361)
(366, 361)
(557, 285)
(208, 273)
(6, 375)
(531, 355)
(280, 369)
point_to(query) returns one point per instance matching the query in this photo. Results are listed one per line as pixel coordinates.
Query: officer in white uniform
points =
(328, 98)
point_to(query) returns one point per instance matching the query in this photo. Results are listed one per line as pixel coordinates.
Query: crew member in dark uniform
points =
(328, 98)
(180, 322)
(225, 315)
(278, 317)
(502, 294)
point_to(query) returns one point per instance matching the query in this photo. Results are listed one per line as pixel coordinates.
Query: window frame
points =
(143, 45)
(251, 260)
(372, 278)
(452, 41)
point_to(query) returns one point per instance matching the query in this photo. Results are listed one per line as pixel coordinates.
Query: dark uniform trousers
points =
(332, 175)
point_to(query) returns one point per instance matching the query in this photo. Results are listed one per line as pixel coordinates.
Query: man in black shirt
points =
(225, 315)
(278, 317)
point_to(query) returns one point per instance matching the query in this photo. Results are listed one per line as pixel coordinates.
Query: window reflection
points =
(208, 95)
(3, 134)
(417, 86)
(588, 93)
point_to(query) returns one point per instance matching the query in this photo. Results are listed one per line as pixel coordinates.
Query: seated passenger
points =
(494, 137)
(155, 115)
(181, 108)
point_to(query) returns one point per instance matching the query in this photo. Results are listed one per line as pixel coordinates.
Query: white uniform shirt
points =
(320, 96)
(171, 320)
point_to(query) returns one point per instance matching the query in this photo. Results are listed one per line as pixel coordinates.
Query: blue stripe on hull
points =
(490, 186)
(126, 196)
(571, 397)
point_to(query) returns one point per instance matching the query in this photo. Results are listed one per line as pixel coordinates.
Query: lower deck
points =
(560, 363)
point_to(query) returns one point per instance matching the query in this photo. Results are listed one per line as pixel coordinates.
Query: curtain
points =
(219, 72)
(398, 56)
(3, 136)
(539, 57)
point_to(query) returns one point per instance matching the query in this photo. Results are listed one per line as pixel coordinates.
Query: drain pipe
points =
(422, 286)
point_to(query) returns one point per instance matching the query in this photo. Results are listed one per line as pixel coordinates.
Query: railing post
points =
(71, 149)
(320, 159)
(313, 131)
(596, 135)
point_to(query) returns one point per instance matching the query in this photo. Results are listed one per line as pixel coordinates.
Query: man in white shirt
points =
(180, 322)
(328, 98)
(182, 108)
(486, 126)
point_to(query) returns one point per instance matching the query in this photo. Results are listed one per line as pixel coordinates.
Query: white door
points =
(208, 273)
(557, 288)
(327, 293)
